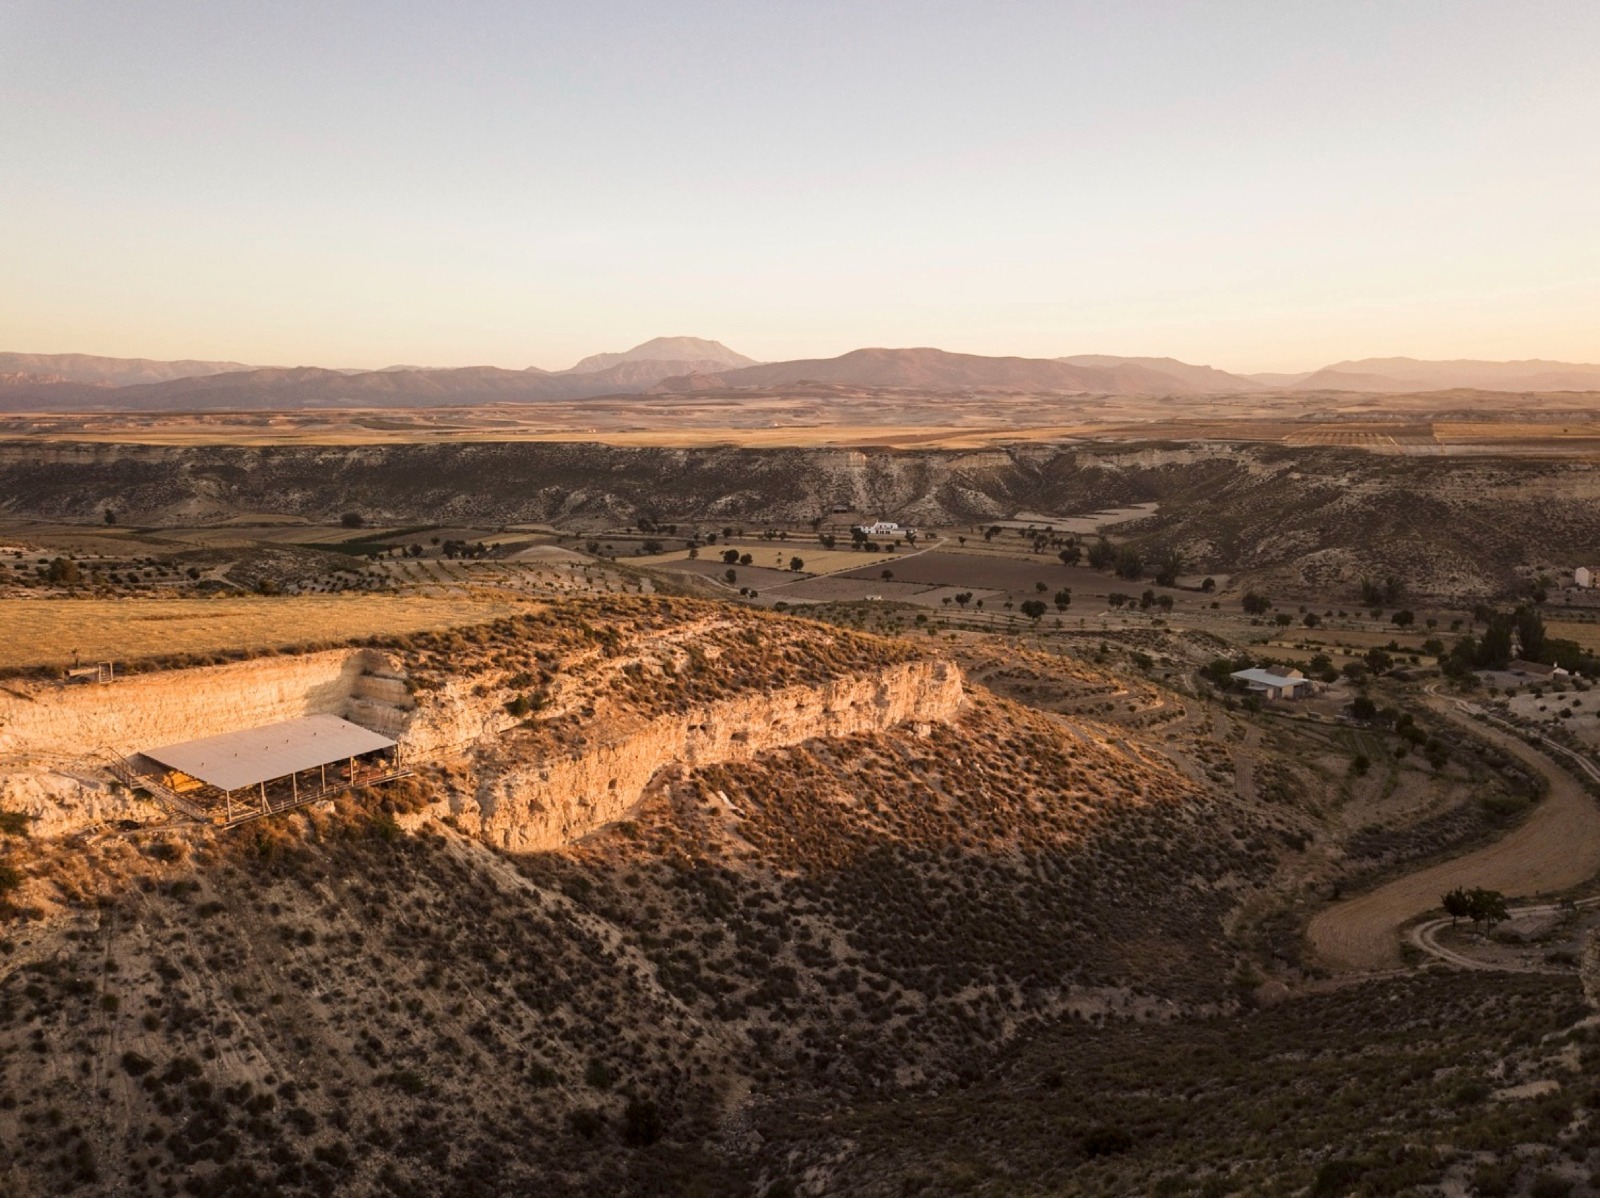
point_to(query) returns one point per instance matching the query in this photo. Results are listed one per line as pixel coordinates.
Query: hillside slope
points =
(310, 1003)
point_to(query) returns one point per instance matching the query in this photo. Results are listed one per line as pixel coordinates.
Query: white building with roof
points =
(886, 528)
(1291, 684)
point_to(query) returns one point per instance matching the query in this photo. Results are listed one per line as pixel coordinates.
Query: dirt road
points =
(1557, 847)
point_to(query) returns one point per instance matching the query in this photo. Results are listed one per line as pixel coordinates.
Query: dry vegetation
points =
(56, 632)
(1018, 953)
(856, 916)
(1389, 1088)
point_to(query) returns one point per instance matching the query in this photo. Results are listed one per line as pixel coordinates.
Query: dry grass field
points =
(52, 632)
(1587, 635)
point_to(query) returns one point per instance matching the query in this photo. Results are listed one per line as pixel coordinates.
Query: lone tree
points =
(1033, 608)
(1255, 604)
(352, 519)
(62, 571)
(1063, 598)
(1457, 904)
(111, 516)
(1487, 907)
(797, 564)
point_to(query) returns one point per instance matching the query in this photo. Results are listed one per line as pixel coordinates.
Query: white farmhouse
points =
(886, 528)
(1290, 685)
(1583, 577)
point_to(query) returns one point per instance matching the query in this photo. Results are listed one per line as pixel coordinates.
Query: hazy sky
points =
(1258, 185)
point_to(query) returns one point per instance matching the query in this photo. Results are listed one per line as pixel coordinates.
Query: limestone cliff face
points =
(527, 805)
(146, 710)
(1589, 970)
(56, 743)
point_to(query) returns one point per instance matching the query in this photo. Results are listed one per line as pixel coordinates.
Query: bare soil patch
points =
(1556, 848)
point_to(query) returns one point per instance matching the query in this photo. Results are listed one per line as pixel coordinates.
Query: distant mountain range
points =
(68, 382)
(937, 370)
(108, 372)
(1410, 374)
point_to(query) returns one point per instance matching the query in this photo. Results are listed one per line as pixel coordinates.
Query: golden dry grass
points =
(1587, 635)
(46, 632)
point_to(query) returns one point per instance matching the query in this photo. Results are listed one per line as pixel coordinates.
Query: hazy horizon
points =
(1256, 189)
(557, 369)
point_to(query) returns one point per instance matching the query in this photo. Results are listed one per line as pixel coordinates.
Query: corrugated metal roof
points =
(236, 760)
(1267, 678)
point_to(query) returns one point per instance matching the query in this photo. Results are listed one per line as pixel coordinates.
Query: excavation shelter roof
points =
(236, 760)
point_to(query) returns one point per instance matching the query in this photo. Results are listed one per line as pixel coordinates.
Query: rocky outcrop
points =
(1589, 970)
(56, 743)
(536, 804)
(141, 711)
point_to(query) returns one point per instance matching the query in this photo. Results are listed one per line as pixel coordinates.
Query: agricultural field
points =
(747, 576)
(56, 632)
(775, 554)
(1587, 635)
(993, 572)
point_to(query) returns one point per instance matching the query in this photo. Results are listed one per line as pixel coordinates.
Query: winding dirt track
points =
(1557, 847)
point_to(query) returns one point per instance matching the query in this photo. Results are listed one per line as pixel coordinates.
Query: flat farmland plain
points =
(53, 632)
(991, 571)
(771, 554)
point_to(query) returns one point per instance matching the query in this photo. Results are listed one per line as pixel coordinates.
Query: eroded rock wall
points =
(56, 742)
(145, 710)
(527, 805)
(55, 745)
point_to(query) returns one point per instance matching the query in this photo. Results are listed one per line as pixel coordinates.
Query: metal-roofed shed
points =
(1274, 686)
(252, 758)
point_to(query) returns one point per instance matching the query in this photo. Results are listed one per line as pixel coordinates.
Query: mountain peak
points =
(667, 349)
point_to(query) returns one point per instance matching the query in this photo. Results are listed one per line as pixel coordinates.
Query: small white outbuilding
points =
(1291, 685)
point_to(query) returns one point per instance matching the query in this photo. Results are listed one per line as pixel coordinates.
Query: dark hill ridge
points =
(1305, 520)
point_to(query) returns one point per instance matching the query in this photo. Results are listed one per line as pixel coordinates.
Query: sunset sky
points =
(1267, 185)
